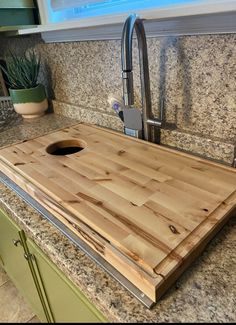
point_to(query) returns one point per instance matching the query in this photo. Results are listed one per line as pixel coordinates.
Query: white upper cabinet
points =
(69, 20)
(15, 14)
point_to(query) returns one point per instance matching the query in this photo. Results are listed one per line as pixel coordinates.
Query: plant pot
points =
(31, 102)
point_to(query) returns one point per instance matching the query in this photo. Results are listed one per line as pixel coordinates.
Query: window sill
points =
(14, 30)
(91, 29)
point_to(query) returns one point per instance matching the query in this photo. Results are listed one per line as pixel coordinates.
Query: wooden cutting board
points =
(148, 210)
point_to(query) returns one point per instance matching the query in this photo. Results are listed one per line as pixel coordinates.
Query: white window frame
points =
(213, 16)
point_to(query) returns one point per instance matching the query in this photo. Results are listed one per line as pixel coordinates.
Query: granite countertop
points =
(206, 292)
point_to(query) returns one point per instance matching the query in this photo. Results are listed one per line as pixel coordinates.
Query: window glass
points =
(63, 10)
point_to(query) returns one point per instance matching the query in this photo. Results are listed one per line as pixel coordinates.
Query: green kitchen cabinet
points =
(52, 296)
(15, 264)
(67, 303)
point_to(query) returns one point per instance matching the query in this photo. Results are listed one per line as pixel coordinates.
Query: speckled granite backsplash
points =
(194, 77)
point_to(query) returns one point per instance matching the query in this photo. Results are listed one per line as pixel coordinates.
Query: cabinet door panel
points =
(66, 302)
(18, 12)
(16, 266)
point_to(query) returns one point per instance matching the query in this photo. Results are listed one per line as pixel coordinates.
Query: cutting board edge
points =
(163, 286)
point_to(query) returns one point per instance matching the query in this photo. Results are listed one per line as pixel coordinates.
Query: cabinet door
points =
(18, 12)
(16, 266)
(66, 302)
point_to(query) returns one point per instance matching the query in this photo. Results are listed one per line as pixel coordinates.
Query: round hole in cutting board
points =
(65, 147)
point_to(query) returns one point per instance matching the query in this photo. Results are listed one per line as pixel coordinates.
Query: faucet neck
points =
(134, 22)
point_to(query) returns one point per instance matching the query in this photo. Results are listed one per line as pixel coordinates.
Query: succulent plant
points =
(22, 71)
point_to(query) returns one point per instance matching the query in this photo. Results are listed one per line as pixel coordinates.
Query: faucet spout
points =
(134, 22)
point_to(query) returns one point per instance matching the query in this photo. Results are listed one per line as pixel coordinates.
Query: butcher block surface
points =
(148, 210)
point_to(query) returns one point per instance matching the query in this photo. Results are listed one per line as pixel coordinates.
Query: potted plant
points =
(28, 96)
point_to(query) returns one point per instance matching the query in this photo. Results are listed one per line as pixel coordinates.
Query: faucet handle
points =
(133, 125)
(133, 118)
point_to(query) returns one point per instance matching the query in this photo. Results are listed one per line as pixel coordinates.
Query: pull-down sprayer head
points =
(126, 59)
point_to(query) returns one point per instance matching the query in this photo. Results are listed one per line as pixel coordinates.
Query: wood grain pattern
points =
(146, 209)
